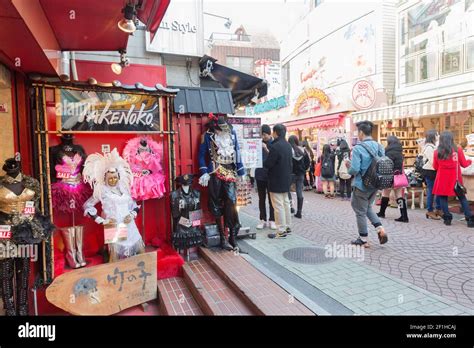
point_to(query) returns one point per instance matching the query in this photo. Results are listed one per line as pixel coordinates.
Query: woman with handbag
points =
(429, 174)
(394, 151)
(447, 161)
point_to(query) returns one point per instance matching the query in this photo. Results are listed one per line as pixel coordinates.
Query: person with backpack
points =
(328, 171)
(343, 155)
(429, 174)
(308, 184)
(371, 171)
(394, 151)
(301, 162)
(447, 161)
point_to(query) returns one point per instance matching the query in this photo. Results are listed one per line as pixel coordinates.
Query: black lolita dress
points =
(185, 235)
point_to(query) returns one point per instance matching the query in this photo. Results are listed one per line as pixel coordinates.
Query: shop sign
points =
(108, 288)
(272, 104)
(250, 140)
(363, 94)
(311, 100)
(99, 111)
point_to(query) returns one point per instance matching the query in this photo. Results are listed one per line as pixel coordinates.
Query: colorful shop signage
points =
(269, 105)
(311, 100)
(108, 288)
(106, 111)
(363, 94)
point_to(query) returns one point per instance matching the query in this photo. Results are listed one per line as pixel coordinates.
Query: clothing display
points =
(68, 191)
(111, 178)
(186, 211)
(220, 164)
(144, 156)
(20, 216)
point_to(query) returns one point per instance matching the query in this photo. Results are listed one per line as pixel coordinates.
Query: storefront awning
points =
(326, 121)
(196, 100)
(246, 89)
(417, 109)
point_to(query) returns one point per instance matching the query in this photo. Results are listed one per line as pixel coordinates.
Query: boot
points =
(224, 244)
(402, 203)
(470, 221)
(79, 242)
(447, 220)
(7, 286)
(22, 270)
(383, 207)
(68, 234)
(300, 208)
(233, 236)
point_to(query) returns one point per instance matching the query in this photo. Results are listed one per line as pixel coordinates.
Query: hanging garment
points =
(183, 205)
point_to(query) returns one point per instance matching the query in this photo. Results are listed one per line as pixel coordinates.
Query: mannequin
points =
(184, 201)
(220, 163)
(19, 212)
(69, 193)
(144, 156)
(111, 177)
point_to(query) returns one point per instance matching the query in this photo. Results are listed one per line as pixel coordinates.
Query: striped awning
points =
(417, 109)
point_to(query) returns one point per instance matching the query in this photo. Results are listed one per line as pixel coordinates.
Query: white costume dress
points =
(117, 207)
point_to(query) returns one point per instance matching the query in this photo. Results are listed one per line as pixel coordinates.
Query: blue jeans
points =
(464, 205)
(429, 195)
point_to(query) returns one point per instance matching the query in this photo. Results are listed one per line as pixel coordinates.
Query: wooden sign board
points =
(106, 289)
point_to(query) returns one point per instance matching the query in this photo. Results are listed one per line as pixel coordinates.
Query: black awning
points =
(246, 89)
(198, 100)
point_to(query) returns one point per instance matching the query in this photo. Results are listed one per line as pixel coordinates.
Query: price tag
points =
(195, 216)
(29, 208)
(63, 175)
(185, 222)
(5, 231)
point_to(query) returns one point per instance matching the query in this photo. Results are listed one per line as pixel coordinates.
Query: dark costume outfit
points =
(26, 229)
(185, 234)
(219, 157)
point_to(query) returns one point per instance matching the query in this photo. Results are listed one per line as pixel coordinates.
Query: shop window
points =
(451, 60)
(428, 66)
(470, 55)
(410, 71)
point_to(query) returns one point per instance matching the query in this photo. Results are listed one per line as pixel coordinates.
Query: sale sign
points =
(5, 232)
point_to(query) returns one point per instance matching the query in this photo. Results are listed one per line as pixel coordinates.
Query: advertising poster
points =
(250, 140)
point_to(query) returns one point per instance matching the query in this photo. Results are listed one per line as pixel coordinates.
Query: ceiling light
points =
(117, 68)
(124, 62)
(127, 23)
(228, 23)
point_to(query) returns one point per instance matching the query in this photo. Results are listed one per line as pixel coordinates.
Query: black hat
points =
(186, 179)
(218, 122)
(67, 136)
(11, 165)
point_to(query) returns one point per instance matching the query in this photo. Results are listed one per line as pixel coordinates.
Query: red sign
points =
(363, 94)
(63, 175)
(5, 232)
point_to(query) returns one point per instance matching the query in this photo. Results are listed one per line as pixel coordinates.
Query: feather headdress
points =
(97, 165)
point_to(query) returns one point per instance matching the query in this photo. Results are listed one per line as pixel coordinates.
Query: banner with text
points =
(250, 140)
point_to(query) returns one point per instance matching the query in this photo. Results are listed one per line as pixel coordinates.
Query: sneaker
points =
(273, 225)
(277, 235)
(261, 225)
(360, 242)
(288, 230)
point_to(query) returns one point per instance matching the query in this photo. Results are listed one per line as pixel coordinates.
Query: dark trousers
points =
(464, 206)
(262, 188)
(345, 187)
(222, 201)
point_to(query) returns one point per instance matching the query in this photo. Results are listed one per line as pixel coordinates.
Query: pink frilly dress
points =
(69, 193)
(145, 162)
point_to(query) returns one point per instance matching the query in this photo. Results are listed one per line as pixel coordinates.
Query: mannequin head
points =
(185, 181)
(12, 167)
(112, 178)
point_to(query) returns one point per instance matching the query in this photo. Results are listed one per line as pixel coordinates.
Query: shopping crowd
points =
(359, 174)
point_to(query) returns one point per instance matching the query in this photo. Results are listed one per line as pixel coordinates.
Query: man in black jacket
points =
(279, 164)
(261, 177)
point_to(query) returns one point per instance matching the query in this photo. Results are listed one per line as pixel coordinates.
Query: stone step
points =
(213, 294)
(258, 292)
(175, 298)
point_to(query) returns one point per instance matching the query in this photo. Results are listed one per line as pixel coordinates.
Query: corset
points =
(12, 204)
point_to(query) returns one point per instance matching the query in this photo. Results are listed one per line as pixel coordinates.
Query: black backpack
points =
(419, 163)
(327, 167)
(379, 175)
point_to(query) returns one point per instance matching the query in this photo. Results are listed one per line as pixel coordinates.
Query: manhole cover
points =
(309, 256)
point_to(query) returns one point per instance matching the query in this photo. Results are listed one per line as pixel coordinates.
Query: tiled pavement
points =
(176, 299)
(423, 259)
